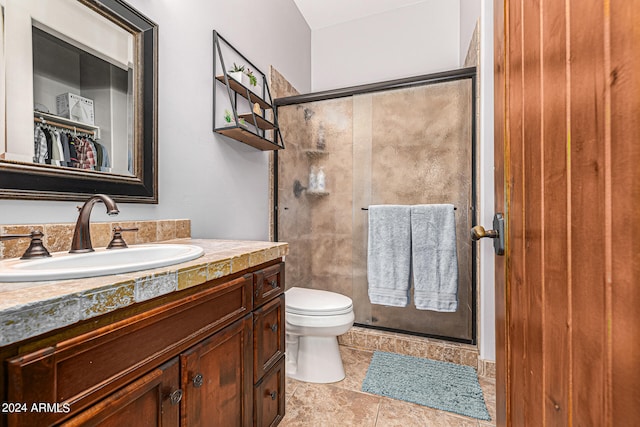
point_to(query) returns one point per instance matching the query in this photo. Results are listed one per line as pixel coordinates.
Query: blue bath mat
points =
(439, 385)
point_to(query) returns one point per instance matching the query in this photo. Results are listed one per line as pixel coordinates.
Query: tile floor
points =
(344, 404)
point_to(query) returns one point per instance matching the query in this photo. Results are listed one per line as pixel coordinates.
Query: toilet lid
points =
(314, 302)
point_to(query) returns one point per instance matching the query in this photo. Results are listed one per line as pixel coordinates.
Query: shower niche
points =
(409, 141)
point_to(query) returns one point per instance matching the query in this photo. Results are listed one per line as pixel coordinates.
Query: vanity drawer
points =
(268, 336)
(269, 397)
(85, 369)
(268, 283)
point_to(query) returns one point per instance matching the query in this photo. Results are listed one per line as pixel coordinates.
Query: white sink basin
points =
(99, 263)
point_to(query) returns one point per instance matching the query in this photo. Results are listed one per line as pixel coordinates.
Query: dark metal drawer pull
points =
(198, 380)
(175, 397)
(274, 327)
(274, 283)
(273, 395)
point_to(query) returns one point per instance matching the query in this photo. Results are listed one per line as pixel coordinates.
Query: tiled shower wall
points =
(57, 237)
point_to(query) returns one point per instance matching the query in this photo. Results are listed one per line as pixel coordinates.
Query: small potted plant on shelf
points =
(237, 72)
(229, 121)
(253, 81)
(228, 118)
(242, 75)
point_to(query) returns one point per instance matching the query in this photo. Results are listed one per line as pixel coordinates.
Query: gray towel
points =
(389, 254)
(435, 260)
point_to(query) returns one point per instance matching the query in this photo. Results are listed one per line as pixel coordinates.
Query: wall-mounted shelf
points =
(245, 92)
(243, 134)
(316, 154)
(260, 121)
(317, 193)
(256, 129)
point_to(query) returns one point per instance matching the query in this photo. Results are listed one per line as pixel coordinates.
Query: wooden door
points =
(567, 121)
(217, 379)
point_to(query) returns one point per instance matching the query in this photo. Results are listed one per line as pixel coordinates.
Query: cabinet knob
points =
(274, 327)
(198, 380)
(175, 397)
(274, 283)
(273, 395)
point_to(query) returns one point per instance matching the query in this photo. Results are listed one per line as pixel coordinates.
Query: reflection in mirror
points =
(81, 113)
(82, 105)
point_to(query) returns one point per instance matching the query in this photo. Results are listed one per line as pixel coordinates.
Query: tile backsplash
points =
(57, 237)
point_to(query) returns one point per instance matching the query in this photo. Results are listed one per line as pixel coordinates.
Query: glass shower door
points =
(414, 146)
(409, 145)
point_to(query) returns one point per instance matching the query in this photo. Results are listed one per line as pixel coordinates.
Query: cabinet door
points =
(269, 397)
(153, 400)
(268, 336)
(217, 378)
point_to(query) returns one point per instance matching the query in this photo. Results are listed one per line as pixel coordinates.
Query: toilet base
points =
(318, 360)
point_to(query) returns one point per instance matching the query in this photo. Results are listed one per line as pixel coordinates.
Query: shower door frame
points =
(422, 80)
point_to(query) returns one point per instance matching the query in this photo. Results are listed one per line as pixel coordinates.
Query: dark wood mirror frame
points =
(31, 181)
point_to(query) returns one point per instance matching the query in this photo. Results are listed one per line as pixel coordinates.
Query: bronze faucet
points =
(82, 234)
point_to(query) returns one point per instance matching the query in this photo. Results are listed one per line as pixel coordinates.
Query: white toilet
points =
(314, 319)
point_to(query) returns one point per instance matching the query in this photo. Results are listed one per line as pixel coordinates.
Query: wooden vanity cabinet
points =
(206, 359)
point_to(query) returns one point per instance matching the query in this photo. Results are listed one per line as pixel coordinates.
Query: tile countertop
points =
(28, 309)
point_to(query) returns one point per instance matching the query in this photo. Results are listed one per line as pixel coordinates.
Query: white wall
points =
(221, 185)
(469, 14)
(410, 41)
(487, 331)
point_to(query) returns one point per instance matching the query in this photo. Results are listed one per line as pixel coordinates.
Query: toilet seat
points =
(315, 302)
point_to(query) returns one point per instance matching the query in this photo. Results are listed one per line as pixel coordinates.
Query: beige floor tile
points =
(290, 387)
(356, 363)
(447, 419)
(488, 386)
(325, 405)
(402, 414)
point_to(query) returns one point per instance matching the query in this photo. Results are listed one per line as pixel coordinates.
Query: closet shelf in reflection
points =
(61, 122)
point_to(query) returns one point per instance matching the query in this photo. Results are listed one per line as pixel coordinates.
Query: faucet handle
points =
(117, 242)
(36, 248)
(13, 236)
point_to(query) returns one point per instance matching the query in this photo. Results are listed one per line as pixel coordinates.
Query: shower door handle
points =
(497, 234)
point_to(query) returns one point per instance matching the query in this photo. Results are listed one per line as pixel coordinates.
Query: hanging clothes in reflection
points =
(40, 146)
(59, 148)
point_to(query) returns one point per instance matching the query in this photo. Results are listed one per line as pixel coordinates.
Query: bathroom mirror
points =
(80, 111)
